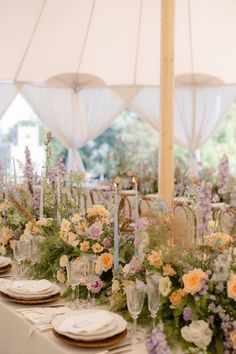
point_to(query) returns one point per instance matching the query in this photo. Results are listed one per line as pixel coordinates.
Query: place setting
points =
(29, 292)
(5, 264)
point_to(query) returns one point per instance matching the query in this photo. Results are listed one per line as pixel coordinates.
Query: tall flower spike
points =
(28, 172)
(223, 176)
(203, 208)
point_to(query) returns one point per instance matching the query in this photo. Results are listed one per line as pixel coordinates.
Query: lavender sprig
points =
(157, 343)
(223, 176)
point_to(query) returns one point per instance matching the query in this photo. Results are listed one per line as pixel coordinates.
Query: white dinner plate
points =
(118, 325)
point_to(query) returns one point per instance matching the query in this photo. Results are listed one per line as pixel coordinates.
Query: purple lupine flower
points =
(28, 172)
(94, 284)
(187, 313)
(223, 176)
(61, 168)
(36, 199)
(203, 208)
(157, 343)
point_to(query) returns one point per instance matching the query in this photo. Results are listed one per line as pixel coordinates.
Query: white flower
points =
(63, 261)
(61, 277)
(198, 333)
(98, 266)
(115, 286)
(3, 250)
(165, 286)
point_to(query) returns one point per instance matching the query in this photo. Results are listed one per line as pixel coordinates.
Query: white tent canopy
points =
(117, 41)
(79, 63)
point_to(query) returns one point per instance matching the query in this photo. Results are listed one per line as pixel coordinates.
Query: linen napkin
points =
(86, 322)
(30, 286)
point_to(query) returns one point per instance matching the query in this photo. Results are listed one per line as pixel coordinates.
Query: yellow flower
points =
(42, 222)
(97, 248)
(80, 229)
(115, 286)
(168, 271)
(3, 206)
(72, 239)
(107, 261)
(6, 235)
(31, 229)
(63, 261)
(3, 250)
(231, 287)
(65, 225)
(155, 258)
(76, 219)
(84, 246)
(64, 235)
(233, 338)
(193, 281)
(218, 240)
(97, 211)
(176, 298)
(61, 277)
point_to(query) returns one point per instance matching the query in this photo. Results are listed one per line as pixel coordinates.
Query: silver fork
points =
(122, 348)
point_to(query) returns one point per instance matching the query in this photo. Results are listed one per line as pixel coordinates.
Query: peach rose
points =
(42, 222)
(72, 239)
(98, 211)
(155, 258)
(194, 281)
(107, 261)
(233, 338)
(65, 225)
(176, 298)
(63, 261)
(6, 235)
(231, 287)
(97, 248)
(84, 246)
(218, 240)
(168, 271)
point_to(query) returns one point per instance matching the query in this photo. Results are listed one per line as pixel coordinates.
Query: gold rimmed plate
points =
(102, 343)
(5, 268)
(51, 298)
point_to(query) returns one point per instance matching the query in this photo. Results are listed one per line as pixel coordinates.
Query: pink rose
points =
(95, 230)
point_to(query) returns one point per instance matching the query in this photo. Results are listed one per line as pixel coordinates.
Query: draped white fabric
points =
(147, 104)
(7, 94)
(74, 117)
(198, 111)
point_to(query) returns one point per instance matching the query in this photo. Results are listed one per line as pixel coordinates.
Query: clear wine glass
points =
(21, 251)
(135, 294)
(74, 270)
(89, 261)
(153, 293)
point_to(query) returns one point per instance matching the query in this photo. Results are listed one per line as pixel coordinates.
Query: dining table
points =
(15, 336)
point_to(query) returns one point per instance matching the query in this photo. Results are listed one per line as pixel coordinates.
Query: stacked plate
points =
(30, 291)
(90, 328)
(5, 264)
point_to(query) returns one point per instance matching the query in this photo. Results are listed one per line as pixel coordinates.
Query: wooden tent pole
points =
(166, 160)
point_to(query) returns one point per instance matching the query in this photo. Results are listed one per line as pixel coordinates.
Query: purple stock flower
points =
(141, 224)
(223, 176)
(157, 343)
(95, 284)
(61, 168)
(95, 230)
(28, 172)
(203, 207)
(187, 313)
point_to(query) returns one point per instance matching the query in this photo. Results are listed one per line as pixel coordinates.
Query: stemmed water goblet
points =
(21, 251)
(74, 270)
(89, 261)
(135, 294)
(153, 293)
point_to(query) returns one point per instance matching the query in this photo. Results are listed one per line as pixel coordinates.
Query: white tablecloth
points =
(14, 337)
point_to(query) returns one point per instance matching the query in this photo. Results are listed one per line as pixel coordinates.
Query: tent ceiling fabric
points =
(116, 41)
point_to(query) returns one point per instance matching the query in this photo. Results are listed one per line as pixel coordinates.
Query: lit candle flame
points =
(115, 185)
(134, 181)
